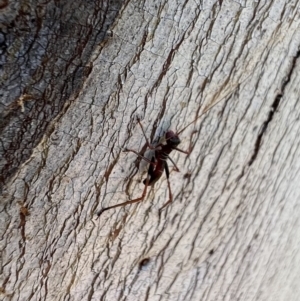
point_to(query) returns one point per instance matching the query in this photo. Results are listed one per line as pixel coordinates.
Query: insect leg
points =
(128, 202)
(190, 146)
(146, 182)
(169, 187)
(176, 168)
(147, 141)
(149, 145)
(182, 151)
(139, 155)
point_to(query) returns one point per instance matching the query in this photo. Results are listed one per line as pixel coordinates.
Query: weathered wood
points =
(231, 232)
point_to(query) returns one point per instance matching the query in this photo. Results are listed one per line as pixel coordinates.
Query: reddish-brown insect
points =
(158, 164)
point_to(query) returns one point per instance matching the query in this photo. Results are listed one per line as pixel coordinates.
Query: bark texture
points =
(45, 50)
(232, 231)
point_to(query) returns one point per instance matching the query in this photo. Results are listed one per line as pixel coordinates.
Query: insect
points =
(158, 163)
(157, 166)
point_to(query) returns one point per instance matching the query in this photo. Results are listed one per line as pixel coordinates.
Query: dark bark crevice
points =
(273, 109)
(44, 61)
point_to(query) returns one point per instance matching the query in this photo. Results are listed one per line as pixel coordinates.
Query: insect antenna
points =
(208, 108)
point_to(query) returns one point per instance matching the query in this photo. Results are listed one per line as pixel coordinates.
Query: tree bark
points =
(231, 232)
(45, 50)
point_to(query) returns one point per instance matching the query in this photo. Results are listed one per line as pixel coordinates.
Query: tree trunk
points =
(231, 231)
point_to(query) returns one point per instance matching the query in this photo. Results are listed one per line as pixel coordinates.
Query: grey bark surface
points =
(232, 231)
(45, 50)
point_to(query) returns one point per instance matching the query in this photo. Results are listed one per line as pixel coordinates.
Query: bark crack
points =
(273, 109)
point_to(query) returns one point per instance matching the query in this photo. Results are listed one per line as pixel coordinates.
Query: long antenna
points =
(210, 107)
